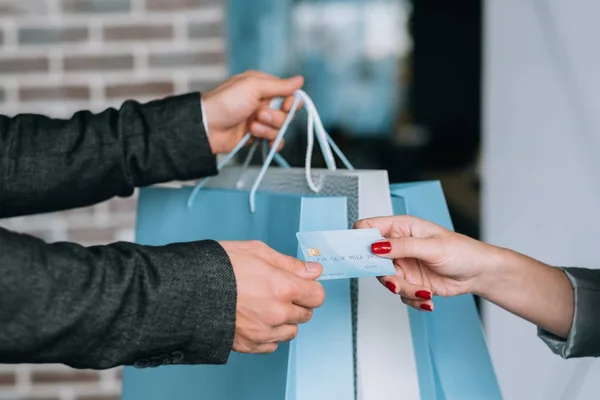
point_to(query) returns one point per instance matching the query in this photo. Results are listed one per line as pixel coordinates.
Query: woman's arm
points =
(431, 260)
(530, 289)
(50, 164)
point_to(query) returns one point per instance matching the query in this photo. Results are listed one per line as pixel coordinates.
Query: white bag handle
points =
(314, 121)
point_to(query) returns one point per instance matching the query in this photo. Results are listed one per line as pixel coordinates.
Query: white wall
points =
(541, 170)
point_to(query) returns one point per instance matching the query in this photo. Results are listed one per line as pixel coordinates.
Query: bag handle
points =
(315, 127)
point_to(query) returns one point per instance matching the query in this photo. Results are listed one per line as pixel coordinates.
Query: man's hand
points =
(275, 293)
(241, 105)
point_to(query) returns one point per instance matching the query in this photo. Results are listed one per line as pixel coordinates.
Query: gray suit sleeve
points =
(121, 304)
(584, 337)
(55, 164)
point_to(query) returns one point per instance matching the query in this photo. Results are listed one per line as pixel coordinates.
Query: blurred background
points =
(498, 99)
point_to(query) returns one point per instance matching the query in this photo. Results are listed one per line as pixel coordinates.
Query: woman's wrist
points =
(500, 268)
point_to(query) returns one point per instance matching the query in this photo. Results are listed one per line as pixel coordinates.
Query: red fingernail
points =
(423, 294)
(381, 248)
(391, 287)
(426, 307)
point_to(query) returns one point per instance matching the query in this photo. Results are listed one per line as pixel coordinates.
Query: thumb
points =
(274, 87)
(305, 270)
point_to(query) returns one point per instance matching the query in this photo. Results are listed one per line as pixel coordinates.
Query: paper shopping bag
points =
(452, 355)
(383, 346)
(318, 364)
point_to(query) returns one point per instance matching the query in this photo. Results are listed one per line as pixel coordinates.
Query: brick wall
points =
(59, 56)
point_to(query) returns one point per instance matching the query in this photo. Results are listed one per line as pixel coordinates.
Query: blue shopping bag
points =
(296, 371)
(453, 360)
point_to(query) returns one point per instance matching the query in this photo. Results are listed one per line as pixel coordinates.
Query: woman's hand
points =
(431, 260)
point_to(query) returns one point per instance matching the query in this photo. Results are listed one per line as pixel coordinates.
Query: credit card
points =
(345, 254)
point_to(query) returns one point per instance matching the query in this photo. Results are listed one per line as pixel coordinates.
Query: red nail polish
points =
(381, 248)
(391, 287)
(426, 307)
(423, 294)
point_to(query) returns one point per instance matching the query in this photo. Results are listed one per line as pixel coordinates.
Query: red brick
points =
(203, 85)
(141, 89)
(40, 93)
(35, 35)
(187, 59)
(64, 376)
(7, 379)
(96, 6)
(138, 32)
(20, 7)
(197, 30)
(178, 5)
(98, 62)
(23, 65)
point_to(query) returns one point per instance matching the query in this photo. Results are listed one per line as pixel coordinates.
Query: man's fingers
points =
(262, 131)
(298, 315)
(275, 87)
(288, 103)
(272, 118)
(307, 293)
(280, 147)
(307, 270)
(285, 333)
(265, 348)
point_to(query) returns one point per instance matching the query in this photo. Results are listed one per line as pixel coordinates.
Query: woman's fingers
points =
(401, 225)
(409, 247)
(421, 305)
(406, 289)
(416, 296)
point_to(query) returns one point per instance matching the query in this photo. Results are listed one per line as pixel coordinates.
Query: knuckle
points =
(255, 244)
(285, 291)
(259, 247)
(319, 294)
(293, 334)
(262, 337)
(360, 224)
(270, 348)
(277, 316)
(307, 315)
(290, 263)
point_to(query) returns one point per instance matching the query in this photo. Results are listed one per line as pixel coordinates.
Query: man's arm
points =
(49, 164)
(121, 304)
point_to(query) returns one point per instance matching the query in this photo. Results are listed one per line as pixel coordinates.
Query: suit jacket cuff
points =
(192, 319)
(178, 144)
(585, 330)
(214, 307)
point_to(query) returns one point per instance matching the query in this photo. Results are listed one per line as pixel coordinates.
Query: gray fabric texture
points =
(584, 337)
(120, 304)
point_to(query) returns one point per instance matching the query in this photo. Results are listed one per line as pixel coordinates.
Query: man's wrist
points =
(204, 118)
